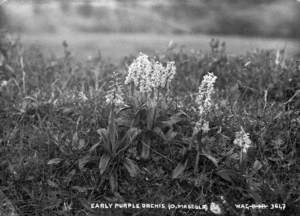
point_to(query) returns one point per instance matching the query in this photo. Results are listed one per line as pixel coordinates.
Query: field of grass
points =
(179, 127)
(117, 46)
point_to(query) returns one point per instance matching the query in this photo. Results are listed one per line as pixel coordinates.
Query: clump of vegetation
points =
(179, 127)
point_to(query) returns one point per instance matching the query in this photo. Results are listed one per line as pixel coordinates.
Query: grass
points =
(63, 147)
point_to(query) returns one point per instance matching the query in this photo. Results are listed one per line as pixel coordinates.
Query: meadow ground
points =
(159, 129)
(118, 45)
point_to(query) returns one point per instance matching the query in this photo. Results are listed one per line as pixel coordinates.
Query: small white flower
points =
(167, 74)
(197, 127)
(277, 59)
(223, 199)
(82, 96)
(201, 125)
(139, 72)
(204, 101)
(215, 208)
(115, 94)
(4, 83)
(205, 127)
(157, 75)
(280, 57)
(67, 206)
(242, 140)
(206, 89)
(148, 75)
(115, 97)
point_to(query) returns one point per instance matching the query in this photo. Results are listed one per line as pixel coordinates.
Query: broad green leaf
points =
(145, 154)
(179, 169)
(150, 117)
(226, 174)
(104, 160)
(210, 157)
(81, 144)
(67, 110)
(103, 132)
(160, 133)
(85, 203)
(2, 59)
(54, 161)
(75, 138)
(128, 138)
(80, 189)
(257, 165)
(94, 147)
(123, 122)
(113, 182)
(112, 132)
(69, 176)
(52, 183)
(174, 119)
(132, 133)
(83, 161)
(131, 167)
(170, 135)
(124, 109)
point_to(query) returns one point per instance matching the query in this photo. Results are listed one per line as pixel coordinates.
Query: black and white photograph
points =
(149, 107)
